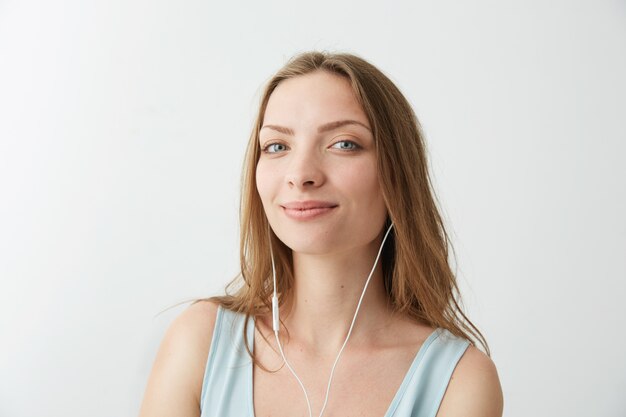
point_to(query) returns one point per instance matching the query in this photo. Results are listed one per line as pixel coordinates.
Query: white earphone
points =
(276, 325)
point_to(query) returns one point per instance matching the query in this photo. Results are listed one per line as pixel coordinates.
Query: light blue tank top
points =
(227, 384)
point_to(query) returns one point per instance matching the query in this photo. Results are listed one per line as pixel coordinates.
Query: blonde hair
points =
(417, 276)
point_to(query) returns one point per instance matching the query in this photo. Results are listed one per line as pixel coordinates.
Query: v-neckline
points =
(397, 396)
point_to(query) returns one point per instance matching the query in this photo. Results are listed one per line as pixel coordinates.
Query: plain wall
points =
(122, 132)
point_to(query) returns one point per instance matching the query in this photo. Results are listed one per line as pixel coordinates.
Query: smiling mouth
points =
(299, 213)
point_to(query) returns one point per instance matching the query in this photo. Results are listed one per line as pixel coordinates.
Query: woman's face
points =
(317, 174)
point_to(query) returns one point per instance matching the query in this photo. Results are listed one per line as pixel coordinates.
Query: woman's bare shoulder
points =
(474, 389)
(175, 383)
(192, 329)
(201, 315)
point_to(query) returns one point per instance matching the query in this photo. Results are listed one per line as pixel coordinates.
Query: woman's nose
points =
(304, 170)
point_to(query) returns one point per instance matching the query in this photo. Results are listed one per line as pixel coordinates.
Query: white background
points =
(122, 131)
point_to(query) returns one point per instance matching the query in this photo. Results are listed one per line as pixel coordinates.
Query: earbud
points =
(276, 323)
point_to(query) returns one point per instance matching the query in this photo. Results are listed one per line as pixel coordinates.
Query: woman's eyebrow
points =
(323, 128)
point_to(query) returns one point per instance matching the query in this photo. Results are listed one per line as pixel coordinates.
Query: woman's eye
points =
(345, 145)
(274, 147)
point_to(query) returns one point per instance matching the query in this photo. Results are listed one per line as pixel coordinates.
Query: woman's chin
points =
(311, 248)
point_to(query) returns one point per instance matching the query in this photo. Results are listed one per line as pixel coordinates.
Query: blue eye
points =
(274, 148)
(346, 145)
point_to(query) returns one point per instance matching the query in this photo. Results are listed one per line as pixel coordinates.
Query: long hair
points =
(417, 276)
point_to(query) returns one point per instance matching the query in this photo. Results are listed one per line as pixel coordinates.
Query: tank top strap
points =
(421, 393)
(228, 370)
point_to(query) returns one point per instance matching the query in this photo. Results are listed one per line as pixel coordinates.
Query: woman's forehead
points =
(321, 96)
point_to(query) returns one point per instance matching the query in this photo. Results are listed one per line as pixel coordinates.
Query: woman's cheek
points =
(262, 185)
(268, 181)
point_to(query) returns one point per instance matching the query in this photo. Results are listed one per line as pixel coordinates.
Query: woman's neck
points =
(325, 296)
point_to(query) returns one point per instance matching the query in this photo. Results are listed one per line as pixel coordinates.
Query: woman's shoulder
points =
(192, 330)
(474, 388)
(175, 382)
(193, 327)
(201, 313)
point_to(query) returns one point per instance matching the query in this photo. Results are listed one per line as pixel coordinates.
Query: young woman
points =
(346, 304)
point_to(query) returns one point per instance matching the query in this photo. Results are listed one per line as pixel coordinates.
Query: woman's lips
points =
(307, 210)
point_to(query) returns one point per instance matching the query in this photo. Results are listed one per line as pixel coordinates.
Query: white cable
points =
(308, 403)
(353, 320)
(276, 326)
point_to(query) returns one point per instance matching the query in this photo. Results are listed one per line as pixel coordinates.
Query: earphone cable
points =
(276, 326)
(332, 372)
